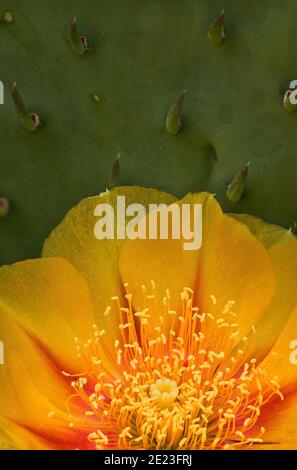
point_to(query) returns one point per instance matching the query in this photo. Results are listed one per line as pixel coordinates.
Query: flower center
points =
(182, 384)
(165, 392)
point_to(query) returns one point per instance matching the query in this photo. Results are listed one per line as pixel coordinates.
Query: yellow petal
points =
(57, 436)
(267, 234)
(51, 301)
(31, 389)
(161, 262)
(97, 260)
(24, 439)
(284, 261)
(231, 265)
(282, 359)
(6, 443)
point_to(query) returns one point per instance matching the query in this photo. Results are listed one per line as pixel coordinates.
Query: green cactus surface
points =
(113, 96)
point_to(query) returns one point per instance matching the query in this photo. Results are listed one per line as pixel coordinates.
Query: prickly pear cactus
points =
(104, 78)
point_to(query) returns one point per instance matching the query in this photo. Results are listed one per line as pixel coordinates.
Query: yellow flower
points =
(142, 344)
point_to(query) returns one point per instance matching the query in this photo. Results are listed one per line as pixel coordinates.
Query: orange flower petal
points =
(31, 389)
(6, 443)
(279, 420)
(284, 261)
(162, 261)
(51, 301)
(74, 240)
(282, 359)
(231, 265)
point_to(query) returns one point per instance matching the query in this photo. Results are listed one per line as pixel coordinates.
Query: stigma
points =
(165, 392)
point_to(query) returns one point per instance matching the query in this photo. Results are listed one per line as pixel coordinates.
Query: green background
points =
(145, 53)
